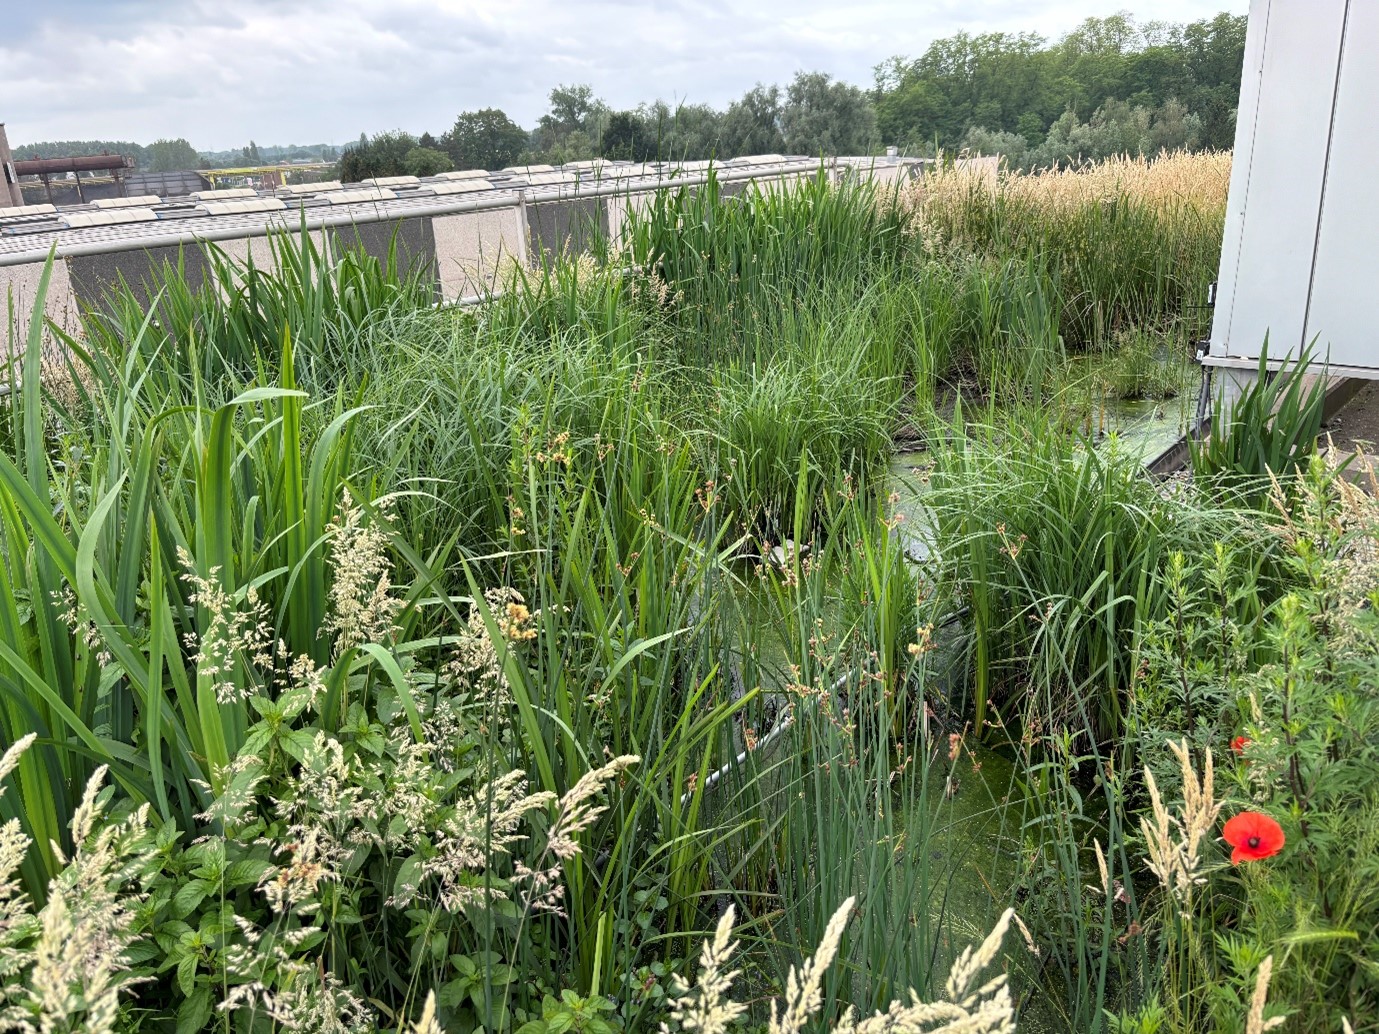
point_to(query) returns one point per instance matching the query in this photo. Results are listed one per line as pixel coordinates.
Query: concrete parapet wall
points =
(461, 229)
(18, 292)
(261, 251)
(620, 206)
(562, 227)
(475, 251)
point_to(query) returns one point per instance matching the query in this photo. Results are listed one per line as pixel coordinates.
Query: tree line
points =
(159, 156)
(815, 114)
(177, 155)
(1113, 85)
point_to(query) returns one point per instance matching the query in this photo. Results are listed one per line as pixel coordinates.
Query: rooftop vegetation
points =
(594, 660)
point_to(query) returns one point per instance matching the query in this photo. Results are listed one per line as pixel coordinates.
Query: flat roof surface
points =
(27, 234)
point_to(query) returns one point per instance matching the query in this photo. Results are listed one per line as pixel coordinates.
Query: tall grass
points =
(731, 268)
(1057, 549)
(678, 460)
(114, 499)
(1129, 242)
(319, 289)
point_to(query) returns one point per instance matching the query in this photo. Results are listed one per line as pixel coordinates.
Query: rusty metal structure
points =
(45, 168)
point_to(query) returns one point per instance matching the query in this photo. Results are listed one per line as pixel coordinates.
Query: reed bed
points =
(1194, 179)
(1130, 242)
(415, 669)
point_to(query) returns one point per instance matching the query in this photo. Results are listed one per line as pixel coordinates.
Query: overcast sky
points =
(220, 72)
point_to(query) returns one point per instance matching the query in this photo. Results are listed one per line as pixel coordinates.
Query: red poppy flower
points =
(1253, 835)
(1239, 744)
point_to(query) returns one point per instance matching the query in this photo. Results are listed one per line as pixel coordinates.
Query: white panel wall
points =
(1283, 126)
(1342, 314)
(475, 252)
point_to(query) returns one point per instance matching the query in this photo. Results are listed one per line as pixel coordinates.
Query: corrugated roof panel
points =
(349, 197)
(460, 186)
(143, 201)
(224, 194)
(20, 211)
(242, 204)
(72, 220)
(310, 188)
(541, 179)
(391, 181)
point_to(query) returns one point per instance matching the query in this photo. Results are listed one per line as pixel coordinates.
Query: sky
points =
(222, 72)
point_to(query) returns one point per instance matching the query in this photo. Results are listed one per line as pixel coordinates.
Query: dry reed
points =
(1197, 178)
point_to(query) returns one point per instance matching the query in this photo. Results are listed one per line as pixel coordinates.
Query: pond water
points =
(966, 824)
(965, 814)
(1144, 427)
(969, 816)
(1140, 428)
(970, 820)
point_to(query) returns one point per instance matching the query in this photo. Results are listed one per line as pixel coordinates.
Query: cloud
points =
(282, 71)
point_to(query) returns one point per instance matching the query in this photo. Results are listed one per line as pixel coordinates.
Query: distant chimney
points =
(10, 194)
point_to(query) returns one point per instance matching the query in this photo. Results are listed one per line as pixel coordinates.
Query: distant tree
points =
(987, 80)
(1117, 127)
(252, 155)
(172, 156)
(1019, 82)
(1212, 54)
(626, 138)
(1174, 128)
(996, 142)
(751, 125)
(574, 110)
(575, 146)
(485, 139)
(427, 140)
(571, 107)
(910, 115)
(426, 161)
(683, 132)
(354, 164)
(1031, 127)
(384, 155)
(1116, 34)
(72, 148)
(821, 116)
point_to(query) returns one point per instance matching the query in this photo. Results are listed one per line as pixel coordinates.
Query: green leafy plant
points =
(1269, 429)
